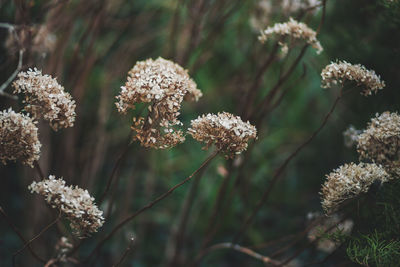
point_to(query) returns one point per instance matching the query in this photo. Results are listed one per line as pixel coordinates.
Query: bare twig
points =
(36, 237)
(280, 170)
(19, 234)
(177, 235)
(247, 251)
(148, 206)
(38, 170)
(11, 28)
(114, 171)
(123, 256)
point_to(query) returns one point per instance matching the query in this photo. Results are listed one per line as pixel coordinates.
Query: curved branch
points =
(19, 234)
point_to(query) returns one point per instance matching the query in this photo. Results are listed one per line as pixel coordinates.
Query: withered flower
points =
(162, 85)
(342, 71)
(18, 138)
(228, 132)
(45, 97)
(74, 203)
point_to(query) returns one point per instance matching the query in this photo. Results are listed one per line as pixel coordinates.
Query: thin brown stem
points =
(11, 28)
(19, 234)
(177, 236)
(148, 206)
(279, 172)
(259, 79)
(263, 105)
(300, 250)
(123, 256)
(212, 227)
(38, 170)
(36, 237)
(114, 171)
(244, 250)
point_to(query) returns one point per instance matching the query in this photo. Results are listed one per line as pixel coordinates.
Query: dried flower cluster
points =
(351, 136)
(18, 138)
(228, 132)
(163, 85)
(294, 29)
(341, 71)
(380, 142)
(349, 181)
(44, 97)
(75, 203)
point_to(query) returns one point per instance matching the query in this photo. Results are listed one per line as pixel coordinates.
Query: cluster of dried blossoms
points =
(295, 30)
(228, 132)
(163, 85)
(380, 141)
(18, 138)
(341, 71)
(349, 181)
(44, 97)
(74, 203)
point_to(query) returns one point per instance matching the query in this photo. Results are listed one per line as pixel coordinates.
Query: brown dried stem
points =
(35, 237)
(19, 66)
(177, 235)
(148, 206)
(245, 250)
(123, 256)
(114, 171)
(280, 170)
(19, 234)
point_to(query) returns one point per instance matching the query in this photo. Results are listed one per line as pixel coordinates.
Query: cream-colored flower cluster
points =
(18, 138)
(349, 181)
(162, 84)
(341, 71)
(74, 203)
(295, 30)
(45, 97)
(380, 142)
(228, 132)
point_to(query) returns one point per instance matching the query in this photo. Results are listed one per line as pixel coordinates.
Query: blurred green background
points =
(91, 45)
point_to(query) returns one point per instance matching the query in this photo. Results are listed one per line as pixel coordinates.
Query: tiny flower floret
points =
(45, 97)
(74, 203)
(18, 138)
(228, 132)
